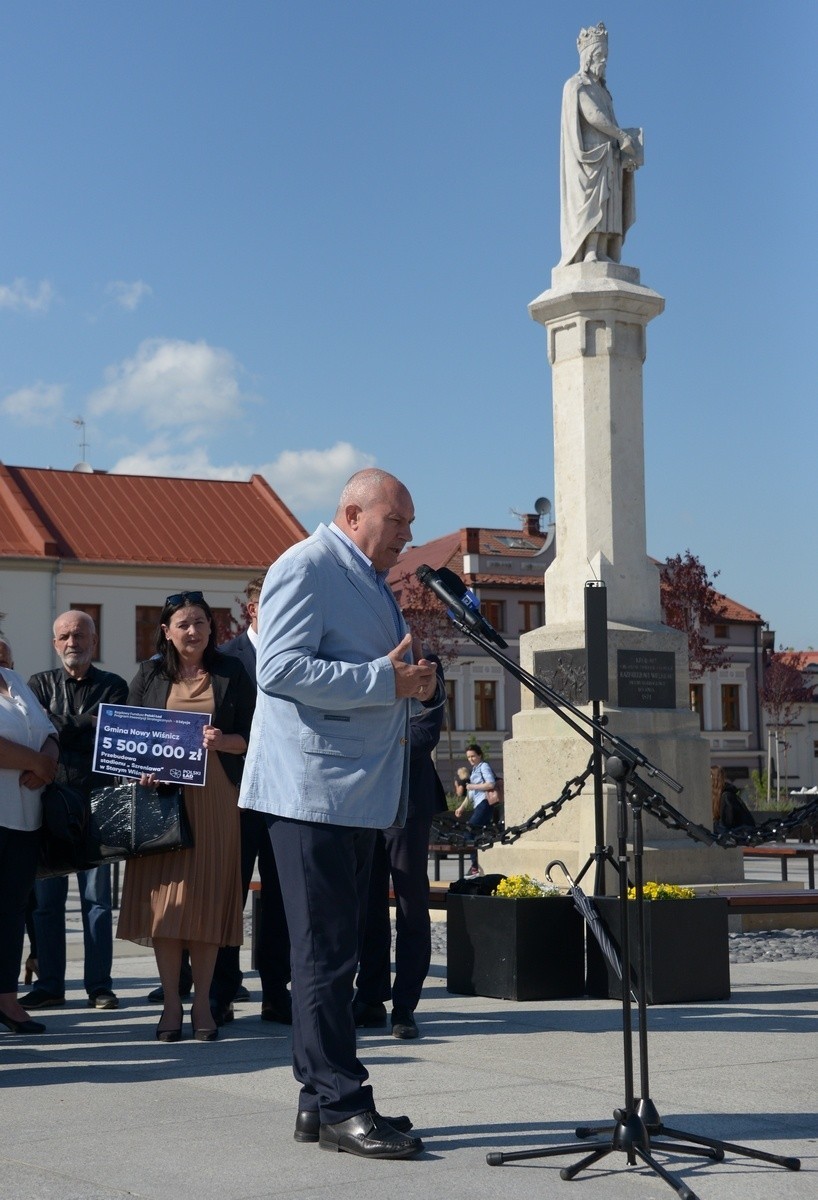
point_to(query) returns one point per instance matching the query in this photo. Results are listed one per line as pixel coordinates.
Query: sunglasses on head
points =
(184, 598)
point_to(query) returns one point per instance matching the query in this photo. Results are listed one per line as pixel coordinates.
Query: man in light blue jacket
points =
(328, 762)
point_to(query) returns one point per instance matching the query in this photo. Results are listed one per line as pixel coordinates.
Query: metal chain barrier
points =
(773, 830)
(451, 830)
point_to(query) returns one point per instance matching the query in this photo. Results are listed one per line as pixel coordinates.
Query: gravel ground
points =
(776, 945)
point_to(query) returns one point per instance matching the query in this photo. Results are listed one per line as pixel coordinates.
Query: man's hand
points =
(418, 680)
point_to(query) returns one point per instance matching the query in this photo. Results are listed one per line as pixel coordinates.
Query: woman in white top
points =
(28, 761)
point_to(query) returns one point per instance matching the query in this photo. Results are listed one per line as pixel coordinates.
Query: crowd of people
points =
(322, 718)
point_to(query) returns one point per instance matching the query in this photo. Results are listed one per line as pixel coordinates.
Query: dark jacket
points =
(733, 812)
(72, 706)
(234, 699)
(426, 794)
(243, 649)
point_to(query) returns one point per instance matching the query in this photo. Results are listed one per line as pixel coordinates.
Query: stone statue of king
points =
(597, 161)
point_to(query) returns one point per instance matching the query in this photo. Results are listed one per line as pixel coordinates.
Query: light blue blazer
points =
(330, 740)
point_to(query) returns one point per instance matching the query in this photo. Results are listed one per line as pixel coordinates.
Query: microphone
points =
(460, 602)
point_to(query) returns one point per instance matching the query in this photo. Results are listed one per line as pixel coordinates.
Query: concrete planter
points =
(525, 949)
(687, 949)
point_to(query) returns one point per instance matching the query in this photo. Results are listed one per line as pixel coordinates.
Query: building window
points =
(485, 704)
(147, 625)
(495, 612)
(531, 615)
(815, 749)
(729, 707)
(451, 703)
(697, 701)
(94, 611)
(721, 631)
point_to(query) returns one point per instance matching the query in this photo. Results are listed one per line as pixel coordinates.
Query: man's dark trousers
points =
(403, 853)
(324, 874)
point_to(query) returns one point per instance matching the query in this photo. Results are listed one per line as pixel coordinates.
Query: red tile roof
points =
(448, 551)
(805, 660)
(142, 519)
(733, 611)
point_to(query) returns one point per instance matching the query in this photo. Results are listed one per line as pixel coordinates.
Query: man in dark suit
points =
(403, 854)
(272, 938)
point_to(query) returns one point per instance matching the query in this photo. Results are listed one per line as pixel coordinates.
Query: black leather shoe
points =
(368, 1016)
(40, 999)
(241, 993)
(279, 1008)
(103, 998)
(157, 996)
(222, 1014)
(308, 1124)
(368, 1136)
(38, 1027)
(403, 1024)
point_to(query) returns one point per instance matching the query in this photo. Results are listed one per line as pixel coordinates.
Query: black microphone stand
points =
(638, 1121)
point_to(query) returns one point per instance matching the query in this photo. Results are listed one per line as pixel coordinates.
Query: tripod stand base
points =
(629, 1136)
(635, 1137)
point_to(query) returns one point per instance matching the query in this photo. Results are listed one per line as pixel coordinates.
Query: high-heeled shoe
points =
(31, 969)
(26, 1026)
(204, 1035)
(168, 1035)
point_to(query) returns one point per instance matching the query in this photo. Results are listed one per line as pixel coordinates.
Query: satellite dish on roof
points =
(542, 508)
(83, 468)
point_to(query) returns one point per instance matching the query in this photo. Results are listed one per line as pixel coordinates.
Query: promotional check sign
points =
(151, 741)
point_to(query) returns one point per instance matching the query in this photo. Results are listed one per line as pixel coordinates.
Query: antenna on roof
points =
(82, 466)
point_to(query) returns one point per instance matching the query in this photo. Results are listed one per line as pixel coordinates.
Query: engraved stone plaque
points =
(646, 678)
(565, 671)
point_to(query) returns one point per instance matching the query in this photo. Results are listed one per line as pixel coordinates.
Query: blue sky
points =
(301, 237)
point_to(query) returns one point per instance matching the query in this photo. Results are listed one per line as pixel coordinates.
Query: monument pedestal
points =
(595, 316)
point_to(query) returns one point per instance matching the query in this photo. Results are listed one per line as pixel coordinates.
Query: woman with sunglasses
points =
(193, 898)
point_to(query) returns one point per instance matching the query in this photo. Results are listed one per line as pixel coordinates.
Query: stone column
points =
(595, 317)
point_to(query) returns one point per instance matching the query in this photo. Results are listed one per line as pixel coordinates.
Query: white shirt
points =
(24, 721)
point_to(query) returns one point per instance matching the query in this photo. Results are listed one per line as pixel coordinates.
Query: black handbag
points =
(129, 821)
(64, 830)
(123, 820)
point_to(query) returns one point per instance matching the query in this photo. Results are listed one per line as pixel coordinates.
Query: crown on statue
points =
(594, 35)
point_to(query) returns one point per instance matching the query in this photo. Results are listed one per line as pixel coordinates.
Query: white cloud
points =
(35, 405)
(310, 479)
(305, 479)
(20, 297)
(187, 387)
(128, 295)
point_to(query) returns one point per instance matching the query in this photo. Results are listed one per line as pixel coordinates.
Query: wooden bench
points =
(784, 851)
(441, 850)
(752, 903)
(437, 895)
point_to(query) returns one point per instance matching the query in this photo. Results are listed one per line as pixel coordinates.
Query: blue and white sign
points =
(151, 741)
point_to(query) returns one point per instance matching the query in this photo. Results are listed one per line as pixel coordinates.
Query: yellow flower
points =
(517, 887)
(663, 891)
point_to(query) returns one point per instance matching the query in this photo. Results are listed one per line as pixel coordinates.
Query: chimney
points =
(531, 523)
(470, 541)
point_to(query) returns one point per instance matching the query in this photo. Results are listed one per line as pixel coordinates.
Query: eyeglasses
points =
(184, 598)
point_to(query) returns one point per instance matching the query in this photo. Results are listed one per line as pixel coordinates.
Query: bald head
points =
(376, 512)
(75, 640)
